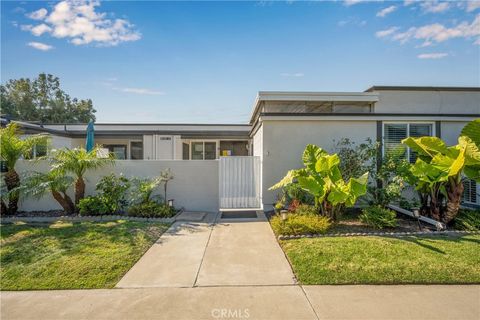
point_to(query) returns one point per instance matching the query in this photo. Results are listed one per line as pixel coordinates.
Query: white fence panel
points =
(240, 183)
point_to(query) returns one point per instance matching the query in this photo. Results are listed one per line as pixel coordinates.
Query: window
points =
(394, 133)
(118, 150)
(202, 150)
(136, 150)
(470, 191)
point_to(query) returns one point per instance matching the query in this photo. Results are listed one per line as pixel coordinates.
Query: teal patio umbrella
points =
(89, 144)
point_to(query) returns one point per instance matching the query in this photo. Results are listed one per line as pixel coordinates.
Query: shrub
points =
(151, 209)
(378, 217)
(93, 206)
(298, 224)
(306, 210)
(294, 192)
(113, 190)
(467, 220)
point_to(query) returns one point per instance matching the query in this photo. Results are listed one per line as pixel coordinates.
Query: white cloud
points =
(349, 3)
(386, 32)
(436, 32)
(40, 14)
(473, 5)
(141, 91)
(40, 46)
(295, 75)
(434, 6)
(384, 12)
(78, 21)
(408, 2)
(40, 29)
(436, 55)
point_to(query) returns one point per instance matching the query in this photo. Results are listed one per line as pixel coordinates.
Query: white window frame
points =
(203, 141)
(408, 123)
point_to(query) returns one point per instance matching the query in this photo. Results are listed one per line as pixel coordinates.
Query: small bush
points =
(305, 209)
(151, 209)
(467, 220)
(93, 206)
(298, 224)
(113, 190)
(378, 217)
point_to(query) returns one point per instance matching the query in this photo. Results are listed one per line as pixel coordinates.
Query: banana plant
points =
(439, 171)
(322, 178)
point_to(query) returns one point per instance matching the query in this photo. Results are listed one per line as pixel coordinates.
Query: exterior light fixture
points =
(170, 202)
(416, 215)
(284, 214)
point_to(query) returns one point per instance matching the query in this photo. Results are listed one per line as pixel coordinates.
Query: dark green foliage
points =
(378, 217)
(93, 206)
(43, 100)
(113, 190)
(467, 220)
(305, 209)
(151, 209)
(294, 191)
(298, 224)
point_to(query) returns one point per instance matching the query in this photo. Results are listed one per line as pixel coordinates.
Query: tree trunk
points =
(3, 208)
(434, 208)
(79, 190)
(67, 207)
(454, 194)
(12, 180)
(69, 201)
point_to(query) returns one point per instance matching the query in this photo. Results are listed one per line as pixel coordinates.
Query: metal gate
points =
(240, 183)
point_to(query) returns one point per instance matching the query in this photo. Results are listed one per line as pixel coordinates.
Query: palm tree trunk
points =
(3, 208)
(454, 193)
(79, 190)
(63, 202)
(12, 180)
(69, 201)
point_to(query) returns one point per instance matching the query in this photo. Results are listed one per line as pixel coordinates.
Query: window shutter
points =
(470, 191)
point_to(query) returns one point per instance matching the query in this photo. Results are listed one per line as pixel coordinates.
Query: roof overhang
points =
(367, 97)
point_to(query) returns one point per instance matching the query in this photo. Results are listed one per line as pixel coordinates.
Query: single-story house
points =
(281, 125)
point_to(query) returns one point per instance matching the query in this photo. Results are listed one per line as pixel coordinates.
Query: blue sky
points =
(205, 61)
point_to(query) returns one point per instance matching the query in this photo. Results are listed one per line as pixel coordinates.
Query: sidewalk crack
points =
(205, 250)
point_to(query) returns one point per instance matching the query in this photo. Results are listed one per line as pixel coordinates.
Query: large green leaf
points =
(472, 130)
(338, 194)
(327, 162)
(310, 156)
(452, 166)
(288, 179)
(472, 151)
(427, 146)
(428, 173)
(473, 172)
(312, 185)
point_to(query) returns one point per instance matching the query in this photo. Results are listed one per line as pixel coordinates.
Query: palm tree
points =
(56, 182)
(12, 147)
(78, 161)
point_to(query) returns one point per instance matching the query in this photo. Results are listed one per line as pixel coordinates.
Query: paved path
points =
(235, 270)
(249, 302)
(205, 254)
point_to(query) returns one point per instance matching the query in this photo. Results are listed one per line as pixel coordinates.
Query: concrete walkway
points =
(249, 302)
(228, 252)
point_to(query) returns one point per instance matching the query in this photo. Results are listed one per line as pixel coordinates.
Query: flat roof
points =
(421, 88)
(310, 96)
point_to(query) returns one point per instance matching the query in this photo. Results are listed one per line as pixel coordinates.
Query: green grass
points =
(382, 260)
(72, 255)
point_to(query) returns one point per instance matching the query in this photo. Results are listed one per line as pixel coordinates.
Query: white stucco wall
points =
(434, 102)
(450, 131)
(284, 142)
(195, 183)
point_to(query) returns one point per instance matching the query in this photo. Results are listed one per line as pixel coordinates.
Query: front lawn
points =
(382, 260)
(72, 255)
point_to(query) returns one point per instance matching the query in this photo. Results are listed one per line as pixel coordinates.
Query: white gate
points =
(239, 184)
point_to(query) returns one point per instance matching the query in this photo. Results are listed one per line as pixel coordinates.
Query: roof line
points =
(420, 88)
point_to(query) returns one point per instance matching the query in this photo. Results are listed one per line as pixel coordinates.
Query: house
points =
(281, 125)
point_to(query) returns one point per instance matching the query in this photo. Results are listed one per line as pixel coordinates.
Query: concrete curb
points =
(89, 218)
(387, 234)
